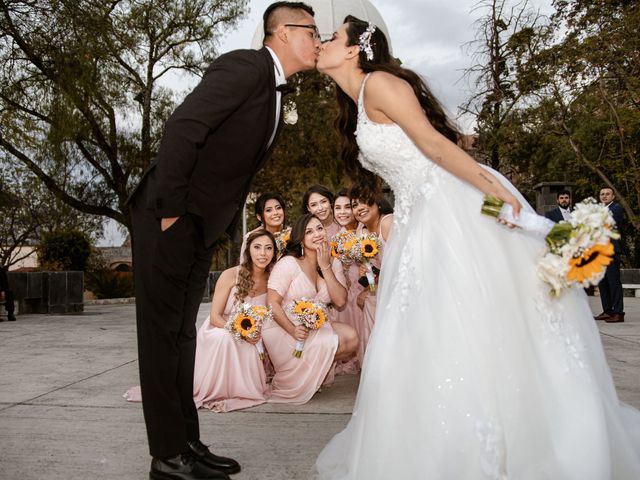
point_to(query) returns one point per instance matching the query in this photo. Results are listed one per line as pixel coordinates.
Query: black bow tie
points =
(285, 89)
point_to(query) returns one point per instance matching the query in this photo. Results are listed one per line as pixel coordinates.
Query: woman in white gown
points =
(473, 371)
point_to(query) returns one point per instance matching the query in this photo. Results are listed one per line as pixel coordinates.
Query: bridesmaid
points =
(308, 271)
(228, 373)
(270, 212)
(318, 200)
(351, 314)
(374, 215)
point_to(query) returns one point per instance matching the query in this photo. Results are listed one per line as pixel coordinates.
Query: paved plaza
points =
(62, 415)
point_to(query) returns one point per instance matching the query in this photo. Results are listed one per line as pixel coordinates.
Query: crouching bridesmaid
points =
(306, 271)
(229, 373)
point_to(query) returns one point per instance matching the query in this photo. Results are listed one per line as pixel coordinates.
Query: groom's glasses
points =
(316, 33)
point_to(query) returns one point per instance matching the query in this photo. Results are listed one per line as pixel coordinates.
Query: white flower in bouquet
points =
(553, 270)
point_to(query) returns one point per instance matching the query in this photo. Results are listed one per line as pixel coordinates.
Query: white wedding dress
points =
(473, 371)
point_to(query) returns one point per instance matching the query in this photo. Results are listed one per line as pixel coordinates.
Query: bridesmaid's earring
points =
(301, 250)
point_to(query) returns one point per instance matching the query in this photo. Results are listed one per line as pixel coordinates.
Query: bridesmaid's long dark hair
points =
(298, 230)
(368, 184)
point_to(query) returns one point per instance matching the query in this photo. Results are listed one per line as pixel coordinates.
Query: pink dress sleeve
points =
(338, 271)
(282, 275)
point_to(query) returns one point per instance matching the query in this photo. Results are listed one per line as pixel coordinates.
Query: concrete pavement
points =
(62, 415)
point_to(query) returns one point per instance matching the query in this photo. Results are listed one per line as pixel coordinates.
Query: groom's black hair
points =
(268, 29)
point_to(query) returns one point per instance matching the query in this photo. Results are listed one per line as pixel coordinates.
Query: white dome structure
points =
(329, 15)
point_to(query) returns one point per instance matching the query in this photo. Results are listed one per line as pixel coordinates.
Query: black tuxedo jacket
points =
(554, 214)
(618, 216)
(215, 142)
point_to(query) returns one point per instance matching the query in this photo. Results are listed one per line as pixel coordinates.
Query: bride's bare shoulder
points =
(380, 80)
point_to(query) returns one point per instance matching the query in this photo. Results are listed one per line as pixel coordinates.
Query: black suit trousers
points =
(171, 269)
(611, 288)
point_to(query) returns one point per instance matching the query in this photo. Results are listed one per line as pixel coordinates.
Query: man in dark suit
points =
(563, 210)
(610, 287)
(213, 145)
(7, 295)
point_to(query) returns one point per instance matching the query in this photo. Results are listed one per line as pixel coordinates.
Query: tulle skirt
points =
(473, 371)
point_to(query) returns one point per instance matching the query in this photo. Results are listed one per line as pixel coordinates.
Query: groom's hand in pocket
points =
(165, 223)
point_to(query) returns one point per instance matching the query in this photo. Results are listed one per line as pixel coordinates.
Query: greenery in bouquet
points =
(580, 249)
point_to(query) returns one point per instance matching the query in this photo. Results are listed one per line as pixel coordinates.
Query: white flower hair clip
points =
(364, 41)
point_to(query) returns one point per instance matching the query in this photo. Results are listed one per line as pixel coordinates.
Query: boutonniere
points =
(290, 113)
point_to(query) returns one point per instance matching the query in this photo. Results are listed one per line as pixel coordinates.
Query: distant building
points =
(118, 258)
(29, 262)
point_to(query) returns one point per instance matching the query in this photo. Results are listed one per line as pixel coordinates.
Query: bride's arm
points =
(389, 96)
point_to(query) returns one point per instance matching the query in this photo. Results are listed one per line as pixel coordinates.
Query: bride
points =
(473, 371)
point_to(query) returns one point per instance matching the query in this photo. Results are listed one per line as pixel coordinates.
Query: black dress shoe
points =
(11, 317)
(615, 318)
(203, 455)
(183, 467)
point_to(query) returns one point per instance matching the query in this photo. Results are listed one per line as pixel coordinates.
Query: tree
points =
(81, 100)
(308, 151)
(65, 250)
(503, 34)
(27, 212)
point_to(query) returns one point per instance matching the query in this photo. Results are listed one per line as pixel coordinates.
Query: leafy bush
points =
(64, 250)
(105, 283)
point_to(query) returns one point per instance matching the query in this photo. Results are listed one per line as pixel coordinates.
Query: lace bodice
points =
(387, 151)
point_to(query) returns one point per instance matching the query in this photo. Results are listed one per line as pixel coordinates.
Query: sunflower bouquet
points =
(309, 314)
(282, 238)
(246, 324)
(365, 249)
(342, 246)
(578, 250)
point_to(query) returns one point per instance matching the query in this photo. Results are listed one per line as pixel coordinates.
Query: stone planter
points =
(48, 292)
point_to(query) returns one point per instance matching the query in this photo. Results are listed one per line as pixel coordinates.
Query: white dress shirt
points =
(566, 213)
(280, 80)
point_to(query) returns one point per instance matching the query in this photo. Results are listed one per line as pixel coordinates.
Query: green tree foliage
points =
(503, 33)
(28, 211)
(81, 99)
(64, 250)
(308, 151)
(578, 114)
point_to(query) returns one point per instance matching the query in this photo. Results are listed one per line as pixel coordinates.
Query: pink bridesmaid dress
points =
(351, 315)
(228, 373)
(369, 309)
(332, 229)
(296, 380)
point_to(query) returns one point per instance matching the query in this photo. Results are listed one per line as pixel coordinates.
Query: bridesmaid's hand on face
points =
(300, 333)
(324, 255)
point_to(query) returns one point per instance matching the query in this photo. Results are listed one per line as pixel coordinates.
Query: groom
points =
(212, 147)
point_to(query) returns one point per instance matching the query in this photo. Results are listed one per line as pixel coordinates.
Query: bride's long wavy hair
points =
(367, 183)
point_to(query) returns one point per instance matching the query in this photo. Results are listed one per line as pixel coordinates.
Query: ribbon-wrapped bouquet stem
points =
(578, 251)
(309, 314)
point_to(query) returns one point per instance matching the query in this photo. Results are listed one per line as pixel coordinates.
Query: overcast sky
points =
(429, 36)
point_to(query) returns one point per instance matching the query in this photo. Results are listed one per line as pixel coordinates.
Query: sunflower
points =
(334, 251)
(302, 307)
(369, 248)
(320, 318)
(245, 325)
(260, 310)
(590, 263)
